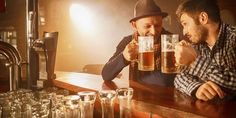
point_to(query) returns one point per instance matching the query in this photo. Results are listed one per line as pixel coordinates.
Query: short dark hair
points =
(194, 7)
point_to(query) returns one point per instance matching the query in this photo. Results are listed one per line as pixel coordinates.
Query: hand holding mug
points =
(185, 54)
(131, 51)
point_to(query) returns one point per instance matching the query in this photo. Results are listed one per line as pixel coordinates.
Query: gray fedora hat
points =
(145, 8)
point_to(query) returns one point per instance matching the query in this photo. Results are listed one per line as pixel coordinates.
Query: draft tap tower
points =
(46, 50)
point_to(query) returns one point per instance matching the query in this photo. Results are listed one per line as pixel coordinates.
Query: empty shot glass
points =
(87, 99)
(72, 105)
(125, 95)
(107, 98)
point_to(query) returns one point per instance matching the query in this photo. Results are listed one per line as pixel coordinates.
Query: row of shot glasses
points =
(55, 103)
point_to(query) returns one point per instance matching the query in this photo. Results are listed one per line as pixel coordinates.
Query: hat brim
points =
(163, 14)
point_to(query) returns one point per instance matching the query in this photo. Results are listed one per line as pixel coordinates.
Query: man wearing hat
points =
(147, 21)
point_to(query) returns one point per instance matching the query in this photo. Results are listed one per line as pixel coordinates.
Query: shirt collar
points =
(221, 35)
(220, 38)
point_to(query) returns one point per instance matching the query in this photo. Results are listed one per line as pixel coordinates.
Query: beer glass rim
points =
(124, 93)
(124, 88)
(163, 36)
(72, 97)
(101, 92)
(169, 34)
(108, 91)
(145, 36)
(87, 93)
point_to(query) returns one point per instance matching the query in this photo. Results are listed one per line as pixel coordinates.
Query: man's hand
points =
(185, 54)
(131, 51)
(208, 91)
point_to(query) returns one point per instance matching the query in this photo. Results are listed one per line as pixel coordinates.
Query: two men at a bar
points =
(207, 57)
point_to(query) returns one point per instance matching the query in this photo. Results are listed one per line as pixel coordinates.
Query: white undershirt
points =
(210, 47)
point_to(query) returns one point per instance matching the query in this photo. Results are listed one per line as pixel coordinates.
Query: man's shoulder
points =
(231, 32)
(127, 39)
(231, 28)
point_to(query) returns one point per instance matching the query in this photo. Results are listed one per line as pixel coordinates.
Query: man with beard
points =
(208, 57)
(147, 21)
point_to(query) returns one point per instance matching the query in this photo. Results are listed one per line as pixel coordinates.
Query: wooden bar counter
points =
(149, 101)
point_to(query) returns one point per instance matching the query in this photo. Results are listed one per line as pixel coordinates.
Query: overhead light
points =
(81, 16)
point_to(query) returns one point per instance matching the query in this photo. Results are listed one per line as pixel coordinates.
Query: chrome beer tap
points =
(14, 62)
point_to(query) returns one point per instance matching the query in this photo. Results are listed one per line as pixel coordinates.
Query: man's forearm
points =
(224, 77)
(186, 83)
(114, 67)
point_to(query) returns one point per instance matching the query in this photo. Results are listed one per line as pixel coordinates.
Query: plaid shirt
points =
(217, 65)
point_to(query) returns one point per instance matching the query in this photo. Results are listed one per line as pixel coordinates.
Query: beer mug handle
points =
(135, 36)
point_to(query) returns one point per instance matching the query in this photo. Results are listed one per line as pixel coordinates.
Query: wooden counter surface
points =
(160, 101)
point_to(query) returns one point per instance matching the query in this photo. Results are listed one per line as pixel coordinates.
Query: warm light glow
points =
(81, 17)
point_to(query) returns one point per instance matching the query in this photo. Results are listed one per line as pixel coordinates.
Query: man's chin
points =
(194, 42)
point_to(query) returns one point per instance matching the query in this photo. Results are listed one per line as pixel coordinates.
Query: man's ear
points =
(133, 24)
(203, 18)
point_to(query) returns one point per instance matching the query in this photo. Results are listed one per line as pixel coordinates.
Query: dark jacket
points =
(117, 62)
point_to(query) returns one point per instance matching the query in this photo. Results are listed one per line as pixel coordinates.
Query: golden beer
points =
(146, 61)
(168, 63)
(146, 53)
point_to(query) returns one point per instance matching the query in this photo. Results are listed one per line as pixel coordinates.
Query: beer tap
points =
(39, 46)
(14, 62)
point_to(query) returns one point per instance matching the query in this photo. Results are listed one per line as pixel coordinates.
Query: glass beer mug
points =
(168, 43)
(146, 53)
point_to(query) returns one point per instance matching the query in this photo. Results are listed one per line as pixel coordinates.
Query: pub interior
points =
(61, 46)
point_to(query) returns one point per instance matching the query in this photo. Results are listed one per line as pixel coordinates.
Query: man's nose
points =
(153, 30)
(184, 31)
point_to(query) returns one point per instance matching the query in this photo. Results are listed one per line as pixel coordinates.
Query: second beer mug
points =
(168, 42)
(146, 53)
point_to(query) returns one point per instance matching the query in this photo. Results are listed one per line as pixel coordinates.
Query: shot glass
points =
(72, 105)
(87, 99)
(107, 98)
(125, 95)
